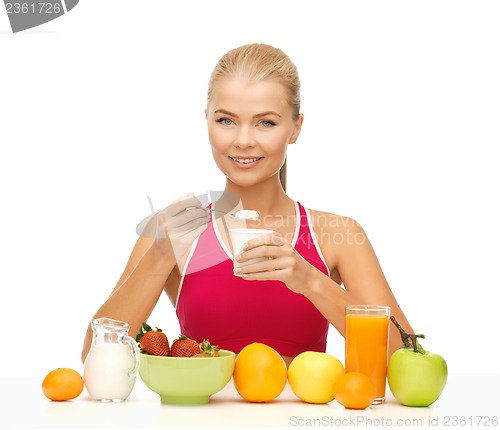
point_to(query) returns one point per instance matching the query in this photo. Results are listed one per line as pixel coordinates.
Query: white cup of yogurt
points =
(239, 236)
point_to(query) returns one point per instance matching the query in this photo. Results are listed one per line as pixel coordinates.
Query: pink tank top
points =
(232, 312)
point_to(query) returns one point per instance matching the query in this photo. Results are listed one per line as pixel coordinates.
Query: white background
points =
(104, 106)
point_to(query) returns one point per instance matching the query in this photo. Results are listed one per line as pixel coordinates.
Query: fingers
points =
(190, 225)
(260, 251)
(277, 275)
(281, 259)
(181, 204)
(270, 246)
(180, 214)
(270, 265)
(183, 221)
(268, 239)
(157, 223)
(185, 217)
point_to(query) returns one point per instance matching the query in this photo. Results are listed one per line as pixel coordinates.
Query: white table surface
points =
(471, 398)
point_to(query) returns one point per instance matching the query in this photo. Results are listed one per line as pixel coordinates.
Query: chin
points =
(242, 183)
(247, 182)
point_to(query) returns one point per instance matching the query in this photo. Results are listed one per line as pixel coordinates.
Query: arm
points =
(363, 279)
(138, 290)
(354, 260)
(331, 299)
(164, 242)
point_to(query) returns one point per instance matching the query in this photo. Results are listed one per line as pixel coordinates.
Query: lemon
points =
(312, 376)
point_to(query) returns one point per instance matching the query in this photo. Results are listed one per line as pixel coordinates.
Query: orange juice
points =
(366, 344)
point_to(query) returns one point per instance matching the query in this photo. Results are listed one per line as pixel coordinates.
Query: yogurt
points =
(246, 214)
(239, 236)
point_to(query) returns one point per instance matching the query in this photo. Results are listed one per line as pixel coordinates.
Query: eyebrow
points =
(226, 112)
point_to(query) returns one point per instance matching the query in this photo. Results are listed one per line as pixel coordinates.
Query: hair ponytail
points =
(282, 174)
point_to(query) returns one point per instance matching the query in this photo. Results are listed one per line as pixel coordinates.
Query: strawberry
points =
(210, 350)
(184, 347)
(153, 342)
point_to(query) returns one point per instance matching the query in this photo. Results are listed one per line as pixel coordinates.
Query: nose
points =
(244, 138)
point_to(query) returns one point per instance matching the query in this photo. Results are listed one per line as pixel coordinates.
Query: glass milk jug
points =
(113, 361)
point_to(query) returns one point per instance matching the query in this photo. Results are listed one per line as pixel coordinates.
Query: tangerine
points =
(259, 373)
(312, 376)
(62, 384)
(354, 391)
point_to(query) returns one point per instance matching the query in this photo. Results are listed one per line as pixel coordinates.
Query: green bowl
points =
(187, 381)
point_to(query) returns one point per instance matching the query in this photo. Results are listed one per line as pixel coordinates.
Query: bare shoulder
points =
(335, 229)
(334, 233)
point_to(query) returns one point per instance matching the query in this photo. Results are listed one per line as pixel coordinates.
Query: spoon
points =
(242, 215)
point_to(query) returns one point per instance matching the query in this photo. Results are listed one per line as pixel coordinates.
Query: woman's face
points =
(250, 125)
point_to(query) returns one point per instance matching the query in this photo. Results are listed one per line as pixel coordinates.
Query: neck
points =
(267, 197)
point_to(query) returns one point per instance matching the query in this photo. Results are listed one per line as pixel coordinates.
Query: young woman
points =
(289, 299)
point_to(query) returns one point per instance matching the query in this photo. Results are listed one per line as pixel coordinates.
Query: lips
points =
(245, 162)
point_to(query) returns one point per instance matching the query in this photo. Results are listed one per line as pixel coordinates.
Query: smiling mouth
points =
(245, 160)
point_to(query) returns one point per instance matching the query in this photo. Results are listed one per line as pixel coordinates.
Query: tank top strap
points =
(307, 244)
(304, 223)
(233, 312)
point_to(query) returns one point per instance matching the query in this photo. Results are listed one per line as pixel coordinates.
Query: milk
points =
(106, 371)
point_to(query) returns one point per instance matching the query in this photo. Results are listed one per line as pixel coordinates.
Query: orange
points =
(62, 384)
(259, 373)
(354, 391)
(312, 376)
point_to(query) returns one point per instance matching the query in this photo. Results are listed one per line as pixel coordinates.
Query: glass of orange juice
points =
(366, 344)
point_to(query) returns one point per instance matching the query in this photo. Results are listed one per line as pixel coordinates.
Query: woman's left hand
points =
(284, 263)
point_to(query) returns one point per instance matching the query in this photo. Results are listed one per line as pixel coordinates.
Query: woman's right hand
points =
(165, 240)
(177, 226)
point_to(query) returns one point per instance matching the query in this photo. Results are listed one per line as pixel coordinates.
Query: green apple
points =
(416, 377)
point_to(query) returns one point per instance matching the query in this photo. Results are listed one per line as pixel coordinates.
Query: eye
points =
(225, 121)
(266, 123)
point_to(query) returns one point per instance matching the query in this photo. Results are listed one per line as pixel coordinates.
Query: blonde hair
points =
(257, 62)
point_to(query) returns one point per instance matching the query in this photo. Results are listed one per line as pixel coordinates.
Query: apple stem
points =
(407, 338)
